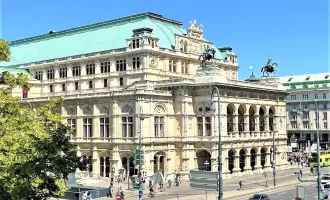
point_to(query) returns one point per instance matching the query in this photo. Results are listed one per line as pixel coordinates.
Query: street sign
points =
(300, 192)
(203, 180)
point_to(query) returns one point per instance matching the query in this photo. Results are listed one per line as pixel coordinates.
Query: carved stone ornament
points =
(159, 109)
(71, 111)
(104, 110)
(195, 31)
(87, 111)
(127, 109)
(153, 62)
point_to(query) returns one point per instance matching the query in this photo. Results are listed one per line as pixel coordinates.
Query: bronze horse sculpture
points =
(207, 55)
(269, 68)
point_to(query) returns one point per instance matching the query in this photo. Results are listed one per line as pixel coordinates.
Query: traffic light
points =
(137, 160)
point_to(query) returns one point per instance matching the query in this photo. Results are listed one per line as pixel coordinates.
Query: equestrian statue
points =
(270, 67)
(207, 55)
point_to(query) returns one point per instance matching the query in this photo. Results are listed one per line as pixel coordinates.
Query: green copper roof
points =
(13, 70)
(93, 38)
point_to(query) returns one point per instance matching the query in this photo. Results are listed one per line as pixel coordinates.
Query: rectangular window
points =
(325, 116)
(294, 125)
(208, 126)
(90, 84)
(136, 63)
(25, 93)
(121, 65)
(135, 43)
(72, 124)
(63, 87)
(76, 70)
(51, 88)
(105, 83)
(88, 127)
(200, 126)
(104, 127)
(50, 74)
(293, 117)
(306, 125)
(324, 95)
(63, 72)
(184, 68)
(172, 66)
(317, 125)
(316, 96)
(121, 81)
(325, 125)
(105, 67)
(76, 86)
(159, 126)
(127, 126)
(90, 69)
(38, 75)
(305, 96)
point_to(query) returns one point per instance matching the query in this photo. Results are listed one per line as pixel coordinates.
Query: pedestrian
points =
(111, 191)
(240, 183)
(169, 183)
(312, 171)
(300, 173)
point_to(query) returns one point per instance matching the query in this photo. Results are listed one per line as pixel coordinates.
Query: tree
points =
(4, 51)
(35, 150)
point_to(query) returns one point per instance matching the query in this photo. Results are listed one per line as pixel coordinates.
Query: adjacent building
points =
(307, 92)
(111, 73)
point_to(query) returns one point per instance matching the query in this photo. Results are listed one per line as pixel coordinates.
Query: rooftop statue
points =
(207, 55)
(270, 67)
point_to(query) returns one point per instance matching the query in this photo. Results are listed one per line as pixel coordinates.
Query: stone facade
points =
(106, 92)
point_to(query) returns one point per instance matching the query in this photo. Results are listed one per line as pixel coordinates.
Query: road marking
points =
(281, 193)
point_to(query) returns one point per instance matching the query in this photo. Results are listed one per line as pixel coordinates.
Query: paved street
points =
(285, 189)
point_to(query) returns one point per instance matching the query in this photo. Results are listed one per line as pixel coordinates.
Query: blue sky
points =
(293, 33)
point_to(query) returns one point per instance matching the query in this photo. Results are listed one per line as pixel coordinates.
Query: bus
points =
(324, 158)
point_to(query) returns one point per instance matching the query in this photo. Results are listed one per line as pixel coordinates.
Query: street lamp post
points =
(212, 108)
(141, 117)
(319, 190)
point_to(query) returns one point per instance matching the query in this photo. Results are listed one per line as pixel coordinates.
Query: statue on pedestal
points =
(207, 55)
(270, 67)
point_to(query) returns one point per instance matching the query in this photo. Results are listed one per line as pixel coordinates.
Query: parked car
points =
(260, 197)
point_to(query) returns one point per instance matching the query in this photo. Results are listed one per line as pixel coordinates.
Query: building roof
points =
(306, 81)
(13, 70)
(98, 37)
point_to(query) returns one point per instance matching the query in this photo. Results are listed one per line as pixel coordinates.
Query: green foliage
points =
(21, 80)
(35, 150)
(4, 51)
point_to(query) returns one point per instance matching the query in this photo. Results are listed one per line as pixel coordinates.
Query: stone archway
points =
(203, 160)
(262, 122)
(231, 160)
(230, 117)
(252, 112)
(160, 162)
(271, 119)
(241, 124)
(128, 165)
(253, 157)
(263, 157)
(242, 156)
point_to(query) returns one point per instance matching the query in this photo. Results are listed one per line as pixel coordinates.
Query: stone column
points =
(246, 122)
(223, 124)
(56, 73)
(44, 75)
(69, 72)
(96, 164)
(256, 120)
(178, 66)
(225, 165)
(236, 165)
(97, 67)
(258, 162)
(95, 122)
(83, 69)
(266, 120)
(267, 160)
(248, 163)
(235, 125)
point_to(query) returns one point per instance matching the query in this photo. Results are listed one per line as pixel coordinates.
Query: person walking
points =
(300, 171)
(169, 183)
(240, 184)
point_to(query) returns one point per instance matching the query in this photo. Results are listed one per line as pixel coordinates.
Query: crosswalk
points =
(279, 192)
